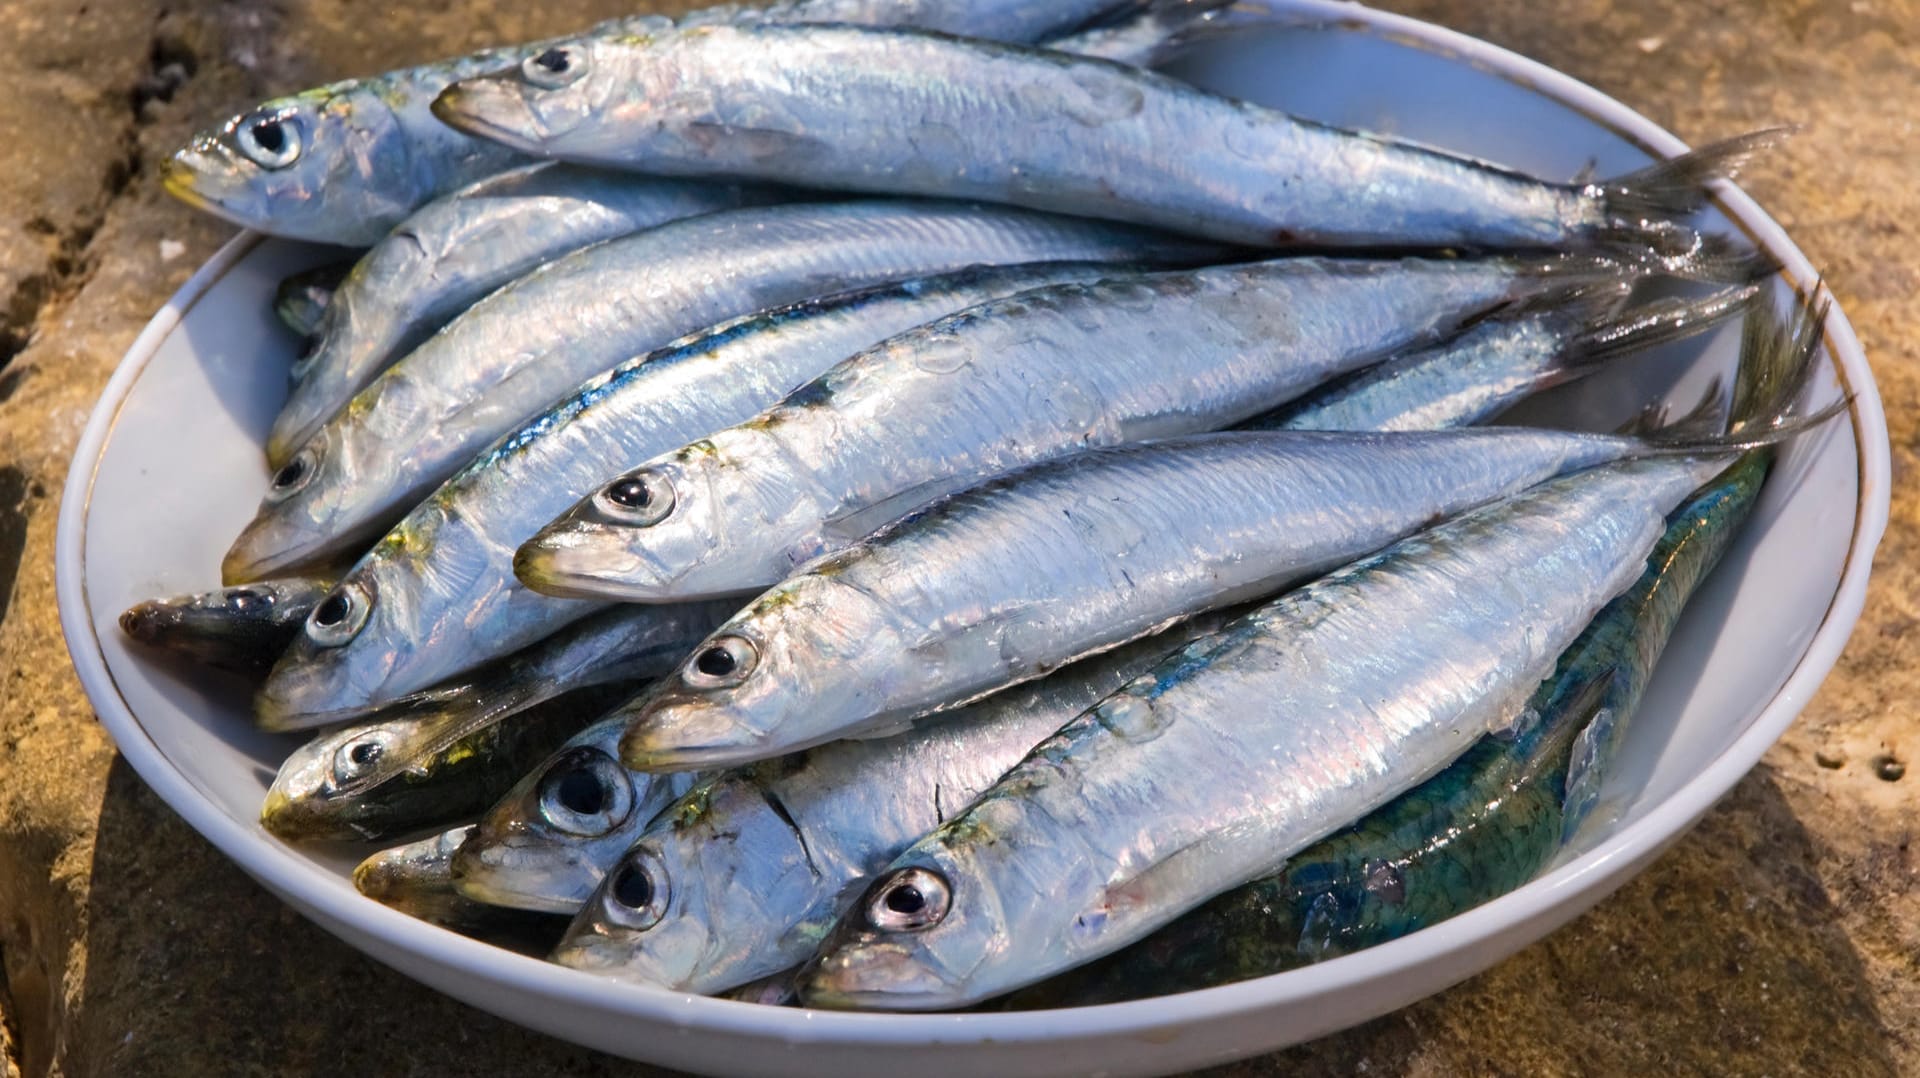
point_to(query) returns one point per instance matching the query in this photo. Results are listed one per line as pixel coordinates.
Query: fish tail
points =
(1606, 334)
(1644, 206)
(1777, 368)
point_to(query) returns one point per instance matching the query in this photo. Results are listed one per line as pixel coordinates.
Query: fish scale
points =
(1366, 682)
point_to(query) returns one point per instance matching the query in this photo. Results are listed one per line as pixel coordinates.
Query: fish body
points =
(528, 344)
(243, 629)
(440, 593)
(449, 752)
(902, 112)
(745, 873)
(456, 249)
(1304, 715)
(346, 162)
(1008, 580)
(1005, 384)
(1485, 825)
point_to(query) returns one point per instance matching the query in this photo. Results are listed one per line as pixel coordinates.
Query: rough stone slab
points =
(1781, 937)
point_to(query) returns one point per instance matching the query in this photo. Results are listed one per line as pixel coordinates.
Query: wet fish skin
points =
(346, 162)
(900, 112)
(1482, 827)
(300, 301)
(454, 250)
(750, 868)
(1006, 384)
(415, 879)
(243, 629)
(945, 605)
(449, 752)
(440, 592)
(1368, 681)
(530, 343)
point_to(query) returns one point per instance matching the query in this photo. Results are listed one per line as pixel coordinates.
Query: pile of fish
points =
(897, 505)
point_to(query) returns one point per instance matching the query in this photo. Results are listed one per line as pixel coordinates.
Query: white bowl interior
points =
(180, 472)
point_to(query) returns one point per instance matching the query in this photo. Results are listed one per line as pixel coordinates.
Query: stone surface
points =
(1781, 937)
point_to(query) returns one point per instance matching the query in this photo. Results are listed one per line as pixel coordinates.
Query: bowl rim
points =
(286, 871)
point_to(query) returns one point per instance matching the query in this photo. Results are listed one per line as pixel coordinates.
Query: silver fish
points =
(415, 879)
(743, 876)
(546, 845)
(1303, 716)
(458, 248)
(1500, 362)
(1011, 579)
(243, 629)
(449, 752)
(1008, 383)
(899, 112)
(346, 162)
(440, 595)
(530, 343)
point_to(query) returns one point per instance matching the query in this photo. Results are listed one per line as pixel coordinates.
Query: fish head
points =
(645, 923)
(318, 166)
(309, 512)
(347, 652)
(807, 661)
(239, 628)
(314, 795)
(912, 942)
(556, 102)
(412, 878)
(659, 533)
(546, 845)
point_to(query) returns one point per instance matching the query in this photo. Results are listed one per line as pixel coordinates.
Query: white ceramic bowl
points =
(169, 469)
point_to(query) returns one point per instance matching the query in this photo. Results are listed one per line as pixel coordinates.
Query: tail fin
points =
(1651, 324)
(1776, 367)
(1644, 206)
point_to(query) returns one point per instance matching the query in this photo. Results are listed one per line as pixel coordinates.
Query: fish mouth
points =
(147, 623)
(180, 178)
(658, 741)
(873, 976)
(492, 108)
(566, 563)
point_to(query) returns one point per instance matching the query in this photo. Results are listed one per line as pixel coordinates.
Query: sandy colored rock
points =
(1781, 937)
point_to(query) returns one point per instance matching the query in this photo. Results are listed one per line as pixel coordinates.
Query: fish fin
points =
(852, 527)
(1606, 335)
(1776, 368)
(1643, 207)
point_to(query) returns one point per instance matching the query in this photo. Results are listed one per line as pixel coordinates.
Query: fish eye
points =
(339, 616)
(640, 499)
(636, 892)
(585, 793)
(359, 756)
(722, 661)
(908, 900)
(248, 601)
(294, 475)
(554, 68)
(270, 139)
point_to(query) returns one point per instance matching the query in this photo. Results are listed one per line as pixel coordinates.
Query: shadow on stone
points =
(1726, 957)
(192, 969)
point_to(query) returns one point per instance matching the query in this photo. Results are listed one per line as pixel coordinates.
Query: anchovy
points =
(743, 875)
(530, 343)
(1011, 579)
(439, 594)
(458, 248)
(1482, 827)
(894, 111)
(243, 629)
(449, 752)
(346, 162)
(1008, 383)
(1498, 363)
(301, 300)
(416, 880)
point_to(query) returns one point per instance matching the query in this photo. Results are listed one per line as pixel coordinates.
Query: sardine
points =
(743, 875)
(458, 248)
(440, 594)
(1009, 383)
(243, 629)
(449, 752)
(346, 162)
(1013, 578)
(900, 112)
(415, 880)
